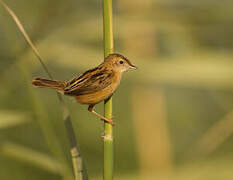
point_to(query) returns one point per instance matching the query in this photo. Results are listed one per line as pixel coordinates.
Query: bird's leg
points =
(91, 109)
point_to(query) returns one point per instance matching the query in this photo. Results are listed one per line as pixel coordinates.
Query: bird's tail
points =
(46, 83)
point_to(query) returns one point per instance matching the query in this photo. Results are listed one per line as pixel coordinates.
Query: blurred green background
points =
(174, 115)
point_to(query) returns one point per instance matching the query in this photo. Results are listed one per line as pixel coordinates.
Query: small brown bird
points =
(94, 85)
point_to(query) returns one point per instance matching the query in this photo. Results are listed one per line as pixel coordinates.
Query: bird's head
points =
(119, 63)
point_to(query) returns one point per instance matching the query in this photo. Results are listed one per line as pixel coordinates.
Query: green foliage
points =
(182, 47)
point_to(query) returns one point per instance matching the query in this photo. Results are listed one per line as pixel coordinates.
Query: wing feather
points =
(89, 82)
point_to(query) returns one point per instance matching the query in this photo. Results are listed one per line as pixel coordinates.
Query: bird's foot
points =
(108, 120)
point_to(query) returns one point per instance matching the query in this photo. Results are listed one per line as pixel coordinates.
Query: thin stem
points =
(79, 170)
(108, 130)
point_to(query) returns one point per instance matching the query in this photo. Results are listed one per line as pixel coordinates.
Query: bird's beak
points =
(133, 67)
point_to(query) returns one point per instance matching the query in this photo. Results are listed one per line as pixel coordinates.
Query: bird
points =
(94, 85)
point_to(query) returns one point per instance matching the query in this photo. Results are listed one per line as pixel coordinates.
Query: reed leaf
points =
(27, 155)
(75, 152)
(10, 118)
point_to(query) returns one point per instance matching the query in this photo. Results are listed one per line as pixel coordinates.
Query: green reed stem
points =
(44, 122)
(108, 130)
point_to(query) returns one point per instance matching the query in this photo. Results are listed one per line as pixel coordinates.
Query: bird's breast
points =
(98, 96)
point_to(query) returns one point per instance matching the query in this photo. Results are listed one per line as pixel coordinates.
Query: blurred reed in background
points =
(173, 116)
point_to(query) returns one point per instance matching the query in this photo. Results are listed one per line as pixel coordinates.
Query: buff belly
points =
(100, 95)
(96, 97)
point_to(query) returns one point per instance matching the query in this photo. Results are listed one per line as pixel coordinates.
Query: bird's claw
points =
(109, 121)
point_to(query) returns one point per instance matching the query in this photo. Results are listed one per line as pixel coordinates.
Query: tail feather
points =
(46, 83)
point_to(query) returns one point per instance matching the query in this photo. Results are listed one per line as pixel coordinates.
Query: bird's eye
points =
(121, 62)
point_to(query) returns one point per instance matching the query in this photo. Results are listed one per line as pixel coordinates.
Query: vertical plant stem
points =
(45, 124)
(80, 172)
(108, 130)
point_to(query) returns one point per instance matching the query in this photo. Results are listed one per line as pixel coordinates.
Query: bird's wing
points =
(89, 82)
